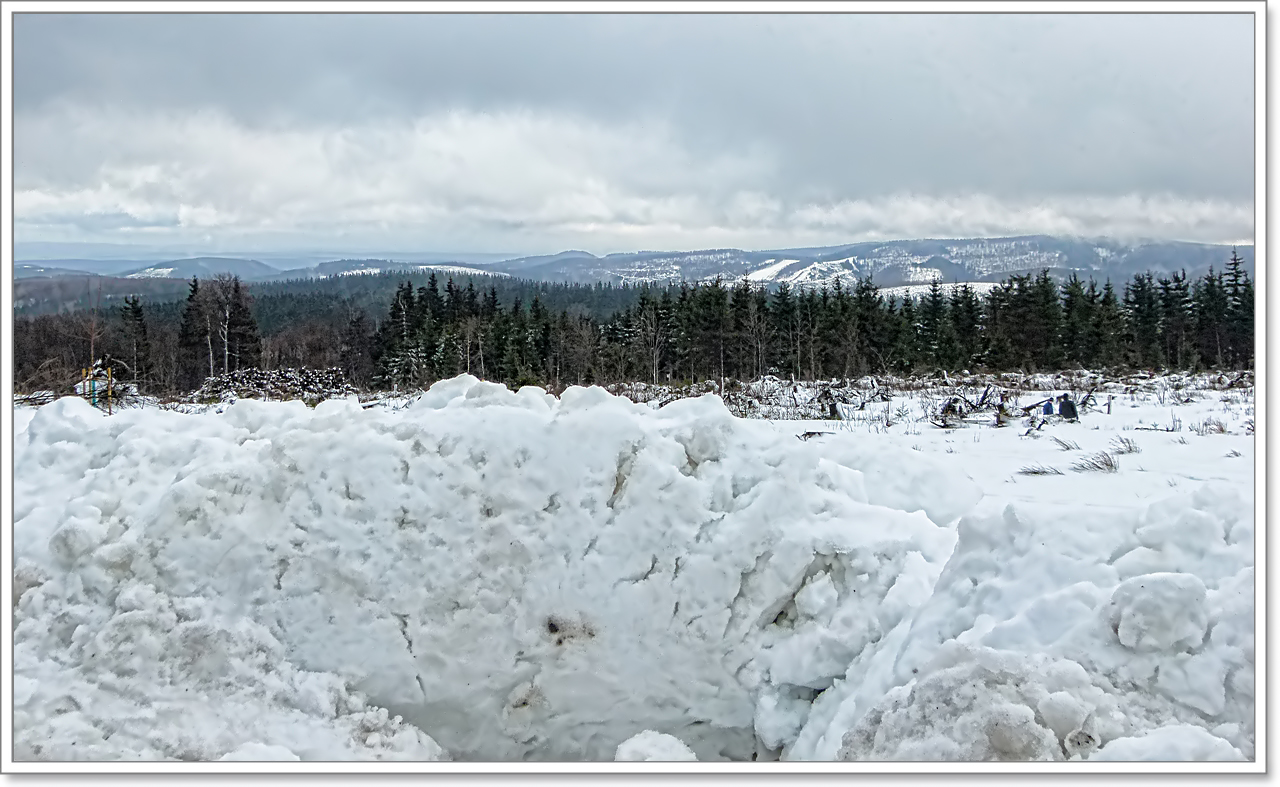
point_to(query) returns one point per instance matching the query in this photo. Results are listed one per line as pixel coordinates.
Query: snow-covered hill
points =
(889, 263)
(203, 268)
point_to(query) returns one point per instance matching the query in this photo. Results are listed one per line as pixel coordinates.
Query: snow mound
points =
(1149, 612)
(517, 576)
(650, 746)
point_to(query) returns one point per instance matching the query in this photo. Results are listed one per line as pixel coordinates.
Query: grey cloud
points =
(800, 109)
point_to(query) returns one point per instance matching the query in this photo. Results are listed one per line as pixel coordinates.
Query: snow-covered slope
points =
(372, 267)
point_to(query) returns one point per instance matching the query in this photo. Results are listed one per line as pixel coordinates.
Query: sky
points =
(536, 133)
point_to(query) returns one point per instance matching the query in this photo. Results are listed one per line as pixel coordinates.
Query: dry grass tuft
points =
(1065, 445)
(1124, 445)
(1210, 426)
(1101, 462)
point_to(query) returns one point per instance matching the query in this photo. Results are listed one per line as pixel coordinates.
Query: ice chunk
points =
(650, 746)
(1175, 743)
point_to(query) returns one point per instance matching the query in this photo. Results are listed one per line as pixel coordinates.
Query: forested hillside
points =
(392, 330)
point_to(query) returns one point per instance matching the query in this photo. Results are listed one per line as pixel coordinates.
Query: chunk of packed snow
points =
(1160, 611)
(980, 705)
(1175, 743)
(259, 752)
(650, 746)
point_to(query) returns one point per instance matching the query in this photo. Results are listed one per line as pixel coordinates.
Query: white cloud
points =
(1125, 216)
(470, 180)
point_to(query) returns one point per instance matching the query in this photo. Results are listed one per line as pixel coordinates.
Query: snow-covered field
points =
(489, 575)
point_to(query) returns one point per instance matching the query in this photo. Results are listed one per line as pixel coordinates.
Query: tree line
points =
(556, 335)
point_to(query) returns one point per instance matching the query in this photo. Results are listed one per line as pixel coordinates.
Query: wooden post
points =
(108, 390)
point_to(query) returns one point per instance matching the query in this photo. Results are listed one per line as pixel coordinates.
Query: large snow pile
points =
(520, 576)
(516, 575)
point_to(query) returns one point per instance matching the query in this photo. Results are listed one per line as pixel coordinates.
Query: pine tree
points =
(1211, 304)
(938, 345)
(401, 358)
(356, 350)
(194, 359)
(433, 304)
(137, 346)
(1077, 321)
(808, 318)
(1142, 313)
(1109, 329)
(1240, 309)
(1044, 337)
(1175, 320)
(875, 334)
(245, 344)
(839, 332)
(1000, 327)
(651, 333)
(715, 326)
(966, 324)
(907, 345)
(786, 328)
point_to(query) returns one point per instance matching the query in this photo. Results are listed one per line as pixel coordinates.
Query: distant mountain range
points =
(888, 263)
(899, 263)
(249, 270)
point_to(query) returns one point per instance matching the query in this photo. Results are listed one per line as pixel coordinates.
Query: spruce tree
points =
(1176, 329)
(1211, 304)
(875, 332)
(245, 344)
(1109, 329)
(356, 349)
(938, 342)
(1240, 309)
(907, 345)
(1044, 336)
(193, 352)
(1142, 314)
(1000, 327)
(137, 347)
(1077, 320)
(785, 326)
(966, 324)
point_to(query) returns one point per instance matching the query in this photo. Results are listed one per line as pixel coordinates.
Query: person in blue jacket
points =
(1067, 408)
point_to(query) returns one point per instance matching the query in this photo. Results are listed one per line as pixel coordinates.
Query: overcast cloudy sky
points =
(536, 133)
